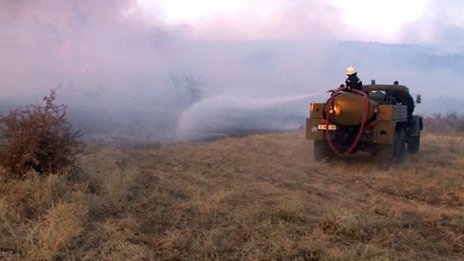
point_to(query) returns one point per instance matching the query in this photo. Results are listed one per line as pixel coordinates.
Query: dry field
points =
(260, 197)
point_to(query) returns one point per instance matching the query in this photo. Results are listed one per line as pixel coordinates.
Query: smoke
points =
(307, 20)
(93, 44)
(442, 25)
(125, 77)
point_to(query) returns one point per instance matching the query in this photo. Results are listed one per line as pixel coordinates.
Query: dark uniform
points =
(353, 82)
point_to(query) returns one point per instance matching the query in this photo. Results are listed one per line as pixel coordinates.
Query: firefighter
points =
(352, 82)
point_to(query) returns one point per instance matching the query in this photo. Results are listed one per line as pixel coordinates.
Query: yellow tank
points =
(348, 109)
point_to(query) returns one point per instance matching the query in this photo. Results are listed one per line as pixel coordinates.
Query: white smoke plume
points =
(125, 77)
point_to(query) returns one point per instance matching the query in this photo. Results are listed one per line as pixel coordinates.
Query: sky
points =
(186, 62)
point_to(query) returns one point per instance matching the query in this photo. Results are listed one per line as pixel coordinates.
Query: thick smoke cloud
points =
(125, 78)
(117, 72)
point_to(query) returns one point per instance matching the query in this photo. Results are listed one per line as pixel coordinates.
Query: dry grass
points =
(259, 197)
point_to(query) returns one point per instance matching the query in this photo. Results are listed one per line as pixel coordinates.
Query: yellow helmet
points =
(350, 71)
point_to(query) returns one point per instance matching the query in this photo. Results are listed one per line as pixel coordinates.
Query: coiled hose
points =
(361, 128)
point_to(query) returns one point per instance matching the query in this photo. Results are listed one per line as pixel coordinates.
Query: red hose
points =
(361, 128)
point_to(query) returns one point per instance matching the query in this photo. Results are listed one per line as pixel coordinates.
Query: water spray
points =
(281, 100)
(226, 114)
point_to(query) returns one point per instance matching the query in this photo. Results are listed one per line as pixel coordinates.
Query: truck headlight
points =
(335, 110)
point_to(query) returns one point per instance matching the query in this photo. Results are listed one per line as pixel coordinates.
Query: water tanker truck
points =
(377, 119)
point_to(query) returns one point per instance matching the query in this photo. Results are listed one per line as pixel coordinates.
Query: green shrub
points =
(38, 137)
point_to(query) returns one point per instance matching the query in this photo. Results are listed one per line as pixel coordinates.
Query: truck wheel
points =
(414, 144)
(391, 154)
(322, 150)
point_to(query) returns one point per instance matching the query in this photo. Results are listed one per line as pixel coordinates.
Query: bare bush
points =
(450, 123)
(38, 137)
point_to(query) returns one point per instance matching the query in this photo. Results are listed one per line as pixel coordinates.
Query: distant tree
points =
(38, 137)
(187, 90)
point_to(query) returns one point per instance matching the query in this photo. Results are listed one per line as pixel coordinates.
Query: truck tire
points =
(322, 150)
(392, 154)
(414, 144)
